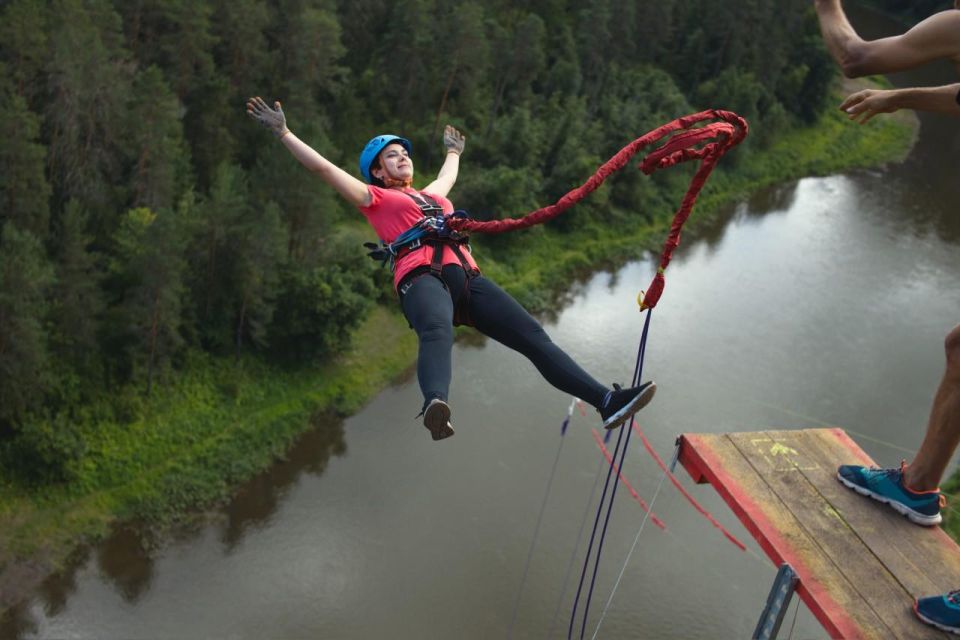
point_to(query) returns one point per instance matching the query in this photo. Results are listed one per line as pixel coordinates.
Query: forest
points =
(145, 219)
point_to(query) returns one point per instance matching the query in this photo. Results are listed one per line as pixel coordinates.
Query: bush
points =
(45, 451)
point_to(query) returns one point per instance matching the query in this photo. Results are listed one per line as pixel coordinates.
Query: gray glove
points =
(453, 140)
(271, 118)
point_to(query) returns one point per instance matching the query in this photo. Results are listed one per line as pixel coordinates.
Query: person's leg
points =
(927, 468)
(943, 427)
(429, 309)
(936, 37)
(497, 315)
(913, 489)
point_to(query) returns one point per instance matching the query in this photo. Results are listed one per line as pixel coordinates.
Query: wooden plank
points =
(781, 536)
(795, 470)
(782, 485)
(925, 559)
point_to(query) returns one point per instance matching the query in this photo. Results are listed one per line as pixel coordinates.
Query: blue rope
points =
(637, 374)
(543, 507)
(576, 546)
(593, 535)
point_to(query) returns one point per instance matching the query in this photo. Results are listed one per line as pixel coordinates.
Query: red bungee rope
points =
(719, 137)
(633, 492)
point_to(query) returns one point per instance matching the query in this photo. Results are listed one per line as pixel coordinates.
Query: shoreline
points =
(40, 532)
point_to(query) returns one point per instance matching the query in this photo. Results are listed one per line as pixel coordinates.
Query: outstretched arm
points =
(936, 37)
(865, 104)
(355, 191)
(454, 141)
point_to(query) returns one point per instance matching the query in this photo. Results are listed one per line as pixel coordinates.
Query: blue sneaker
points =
(886, 485)
(942, 611)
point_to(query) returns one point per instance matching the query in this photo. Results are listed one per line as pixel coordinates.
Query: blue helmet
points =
(373, 149)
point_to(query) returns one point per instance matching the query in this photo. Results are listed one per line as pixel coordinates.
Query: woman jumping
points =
(436, 277)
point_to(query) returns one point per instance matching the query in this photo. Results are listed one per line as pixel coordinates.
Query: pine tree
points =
(25, 275)
(150, 265)
(518, 58)
(161, 164)
(261, 243)
(310, 49)
(23, 46)
(89, 84)
(213, 254)
(24, 190)
(77, 301)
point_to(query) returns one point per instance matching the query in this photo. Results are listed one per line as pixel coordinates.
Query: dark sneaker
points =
(436, 418)
(942, 611)
(886, 485)
(620, 404)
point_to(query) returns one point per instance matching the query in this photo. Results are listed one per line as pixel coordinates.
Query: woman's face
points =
(395, 163)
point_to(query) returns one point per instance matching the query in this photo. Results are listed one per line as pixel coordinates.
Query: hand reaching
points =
(271, 118)
(863, 105)
(453, 140)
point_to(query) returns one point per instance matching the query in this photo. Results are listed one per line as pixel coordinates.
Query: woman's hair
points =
(374, 180)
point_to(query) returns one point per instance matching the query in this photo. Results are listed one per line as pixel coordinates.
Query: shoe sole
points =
(899, 507)
(954, 630)
(437, 419)
(643, 399)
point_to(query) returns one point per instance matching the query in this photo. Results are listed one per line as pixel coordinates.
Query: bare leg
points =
(936, 37)
(943, 428)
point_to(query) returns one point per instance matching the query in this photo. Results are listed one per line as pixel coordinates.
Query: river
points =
(819, 302)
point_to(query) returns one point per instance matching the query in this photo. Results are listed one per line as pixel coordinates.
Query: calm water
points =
(821, 302)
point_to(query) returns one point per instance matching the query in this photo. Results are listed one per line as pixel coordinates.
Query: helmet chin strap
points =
(397, 182)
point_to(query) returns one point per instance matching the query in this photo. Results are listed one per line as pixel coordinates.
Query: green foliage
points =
(161, 164)
(146, 219)
(77, 303)
(45, 451)
(24, 190)
(911, 10)
(25, 275)
(317, 309)
(149, 266)
(89, 84)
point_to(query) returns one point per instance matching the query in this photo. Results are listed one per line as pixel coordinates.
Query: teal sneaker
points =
(886, 485)
(942, 611)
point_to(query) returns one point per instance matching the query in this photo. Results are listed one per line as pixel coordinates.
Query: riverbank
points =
(223, 421)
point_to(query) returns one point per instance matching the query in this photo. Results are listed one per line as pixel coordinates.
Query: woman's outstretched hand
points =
(453, 140)
(271, 118)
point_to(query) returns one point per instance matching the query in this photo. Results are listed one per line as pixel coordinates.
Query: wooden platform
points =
(860, 563)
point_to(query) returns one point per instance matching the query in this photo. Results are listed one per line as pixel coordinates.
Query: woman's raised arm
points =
(454, 141)
(355, 191)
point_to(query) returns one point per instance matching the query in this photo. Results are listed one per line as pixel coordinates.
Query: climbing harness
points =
(431, 230)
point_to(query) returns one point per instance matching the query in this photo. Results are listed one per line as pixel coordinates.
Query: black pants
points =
(428, 305)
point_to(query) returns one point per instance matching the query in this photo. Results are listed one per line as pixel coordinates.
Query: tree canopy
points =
(142, 214)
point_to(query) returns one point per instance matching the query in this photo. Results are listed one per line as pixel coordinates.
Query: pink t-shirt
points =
(391, 212)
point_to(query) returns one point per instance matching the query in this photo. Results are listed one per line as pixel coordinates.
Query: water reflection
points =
(775, 199)
(127, 558)
(17, 622)
(255, 503)
(127, 563)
